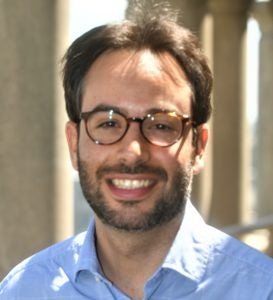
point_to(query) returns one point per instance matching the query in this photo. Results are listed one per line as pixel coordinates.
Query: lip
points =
(128, 187)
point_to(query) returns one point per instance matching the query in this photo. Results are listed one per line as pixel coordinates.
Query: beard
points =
(169, 204)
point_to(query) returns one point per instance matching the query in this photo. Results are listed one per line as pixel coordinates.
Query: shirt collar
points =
(189, 252)
(87, 256)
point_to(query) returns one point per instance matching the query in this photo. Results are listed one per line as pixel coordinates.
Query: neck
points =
(128, 259)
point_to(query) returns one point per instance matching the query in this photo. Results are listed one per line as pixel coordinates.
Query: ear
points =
(71, 132)
(200, 147)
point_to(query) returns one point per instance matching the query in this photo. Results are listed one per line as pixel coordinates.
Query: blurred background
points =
(40, 198)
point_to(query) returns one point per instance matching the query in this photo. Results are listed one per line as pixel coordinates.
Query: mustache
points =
(133, 169)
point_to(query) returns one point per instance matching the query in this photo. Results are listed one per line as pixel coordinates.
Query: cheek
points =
(167, 158)
(91, 154)
(87, 149)
(182, 154)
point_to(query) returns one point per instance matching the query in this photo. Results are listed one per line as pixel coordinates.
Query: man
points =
(138, 99)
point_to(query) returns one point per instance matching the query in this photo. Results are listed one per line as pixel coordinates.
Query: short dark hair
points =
(156, 34)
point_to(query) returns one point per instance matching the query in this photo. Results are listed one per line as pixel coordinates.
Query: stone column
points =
(229, 23)
(263, 12)
(35, 189)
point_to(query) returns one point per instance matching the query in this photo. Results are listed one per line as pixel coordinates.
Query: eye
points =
(163, 127)
(108, 124)
(162, 124)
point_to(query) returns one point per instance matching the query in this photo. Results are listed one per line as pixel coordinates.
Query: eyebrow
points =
(106, 107)
(160, 110)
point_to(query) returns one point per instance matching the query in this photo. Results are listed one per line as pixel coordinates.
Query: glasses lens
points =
(162, 129)
(106, 127)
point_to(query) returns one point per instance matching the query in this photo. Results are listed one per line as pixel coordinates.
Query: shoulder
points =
(225, 263)
(55, 261)
(243, 266)
(222, 248)
(233, 249)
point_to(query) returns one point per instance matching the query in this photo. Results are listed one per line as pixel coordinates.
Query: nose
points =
(133, 148)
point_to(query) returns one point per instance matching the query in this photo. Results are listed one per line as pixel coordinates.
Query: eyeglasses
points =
(108, 127)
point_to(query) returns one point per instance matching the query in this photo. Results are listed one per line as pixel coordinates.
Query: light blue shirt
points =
(203, 263)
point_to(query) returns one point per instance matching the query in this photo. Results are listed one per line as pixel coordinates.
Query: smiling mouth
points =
(132, 184)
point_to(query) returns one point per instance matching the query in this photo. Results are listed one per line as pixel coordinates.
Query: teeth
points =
(131, 184)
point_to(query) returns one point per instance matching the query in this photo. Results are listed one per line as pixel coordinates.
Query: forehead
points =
(134, 76)
(142, 62)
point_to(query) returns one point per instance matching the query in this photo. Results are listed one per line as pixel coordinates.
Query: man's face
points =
(133, 185)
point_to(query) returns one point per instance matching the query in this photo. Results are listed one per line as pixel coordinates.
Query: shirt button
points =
(97, 279)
